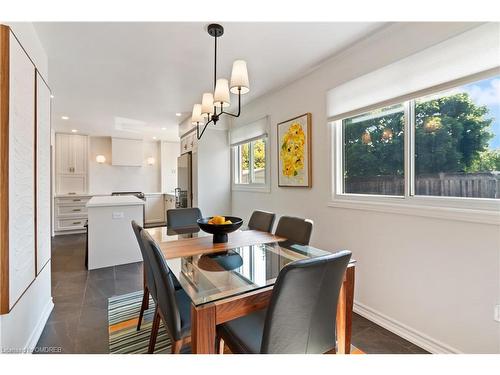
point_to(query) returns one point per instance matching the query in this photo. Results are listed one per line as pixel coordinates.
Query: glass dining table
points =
(227, 281)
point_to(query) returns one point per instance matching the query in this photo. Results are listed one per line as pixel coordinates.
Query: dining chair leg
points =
(154, 331)
(219, 345)
(144, 306)
(176, 347)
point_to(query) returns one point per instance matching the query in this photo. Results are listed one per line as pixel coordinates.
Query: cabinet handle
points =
(77, 200)
(76, 222)
(71, 193)
(76, 209)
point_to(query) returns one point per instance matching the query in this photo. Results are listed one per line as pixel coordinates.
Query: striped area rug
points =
(123, 313)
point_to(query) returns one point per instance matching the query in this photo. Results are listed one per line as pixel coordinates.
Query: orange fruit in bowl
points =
(217, 220)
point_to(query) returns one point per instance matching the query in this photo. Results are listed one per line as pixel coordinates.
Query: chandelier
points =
(213, 104)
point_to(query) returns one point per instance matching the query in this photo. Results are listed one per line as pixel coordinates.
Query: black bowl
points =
(220, 231)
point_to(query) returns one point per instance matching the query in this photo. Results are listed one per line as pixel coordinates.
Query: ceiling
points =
(130, 79)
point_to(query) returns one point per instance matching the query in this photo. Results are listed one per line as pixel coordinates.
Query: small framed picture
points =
(294, 152)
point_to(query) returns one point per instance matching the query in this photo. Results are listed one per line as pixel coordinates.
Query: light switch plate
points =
(497, 313)
(118, 215)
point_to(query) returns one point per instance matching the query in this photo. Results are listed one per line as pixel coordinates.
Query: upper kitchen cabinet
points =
(71, 163)
(72, 153)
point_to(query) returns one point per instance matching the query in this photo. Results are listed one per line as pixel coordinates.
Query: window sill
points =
(252, 188)
(491, 217)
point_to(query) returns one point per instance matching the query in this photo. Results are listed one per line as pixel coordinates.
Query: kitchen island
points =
(111, 240)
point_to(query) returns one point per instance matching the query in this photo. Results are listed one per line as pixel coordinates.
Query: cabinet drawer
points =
(71, 210)
(70, 224)
(74, 201)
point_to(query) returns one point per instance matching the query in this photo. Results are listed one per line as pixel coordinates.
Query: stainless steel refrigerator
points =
(184, 191)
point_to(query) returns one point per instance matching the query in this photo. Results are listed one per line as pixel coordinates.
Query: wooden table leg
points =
(344, 312)
(203, 329)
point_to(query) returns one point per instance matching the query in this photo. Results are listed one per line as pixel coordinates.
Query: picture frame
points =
(294, 151)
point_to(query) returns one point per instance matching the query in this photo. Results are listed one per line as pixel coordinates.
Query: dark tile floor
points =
(79, 321)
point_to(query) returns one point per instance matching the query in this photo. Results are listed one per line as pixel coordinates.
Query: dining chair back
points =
(149, 280)
(262, 220)
(167, 303)
(295, 229)
(149, 287)
(183, 217)
(301, 317)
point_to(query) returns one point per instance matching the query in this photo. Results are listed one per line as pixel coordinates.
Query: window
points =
(250, 160)
(444, 144)
(457, 141)
(374, 152)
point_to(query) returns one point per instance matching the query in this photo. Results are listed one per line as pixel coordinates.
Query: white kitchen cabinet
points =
(71, 214)
(189, 142)
(183, 144)
(80, 153)
(71, 163)
(71, 150)
(155, 209)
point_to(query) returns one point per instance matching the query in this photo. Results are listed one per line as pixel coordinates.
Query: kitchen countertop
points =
(103, 194)
(118, 200)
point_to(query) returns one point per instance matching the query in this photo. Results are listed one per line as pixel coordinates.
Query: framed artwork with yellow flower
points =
(294, 152)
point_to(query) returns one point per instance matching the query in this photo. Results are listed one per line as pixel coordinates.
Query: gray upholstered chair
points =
(183, 217)
(261, 220)
(301, 316)
(172, 306)
(295, 229)
(149, 281)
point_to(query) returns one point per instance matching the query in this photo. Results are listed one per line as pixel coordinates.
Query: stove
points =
(138, 194)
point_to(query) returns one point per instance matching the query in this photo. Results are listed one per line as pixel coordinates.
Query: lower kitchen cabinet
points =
(155, 209)
(71, 214)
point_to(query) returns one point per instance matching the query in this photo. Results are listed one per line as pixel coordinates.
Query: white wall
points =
(211, 164)
(106, 178)
(434, 281)
(170, 151)
(22, 327)
(28, 37)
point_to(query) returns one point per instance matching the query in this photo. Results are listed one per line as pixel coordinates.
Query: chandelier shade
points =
(221, 94)
(207, 103)
(197, 116)
(239, 78)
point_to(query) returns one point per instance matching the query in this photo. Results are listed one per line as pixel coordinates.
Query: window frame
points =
(251, 186)
(480, 210)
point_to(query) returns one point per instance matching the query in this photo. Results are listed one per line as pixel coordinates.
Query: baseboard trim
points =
(37, 331)
(418, 338)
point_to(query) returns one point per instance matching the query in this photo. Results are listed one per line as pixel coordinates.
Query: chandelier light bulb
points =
(239, 77)
(207, 103)
(221, 94)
